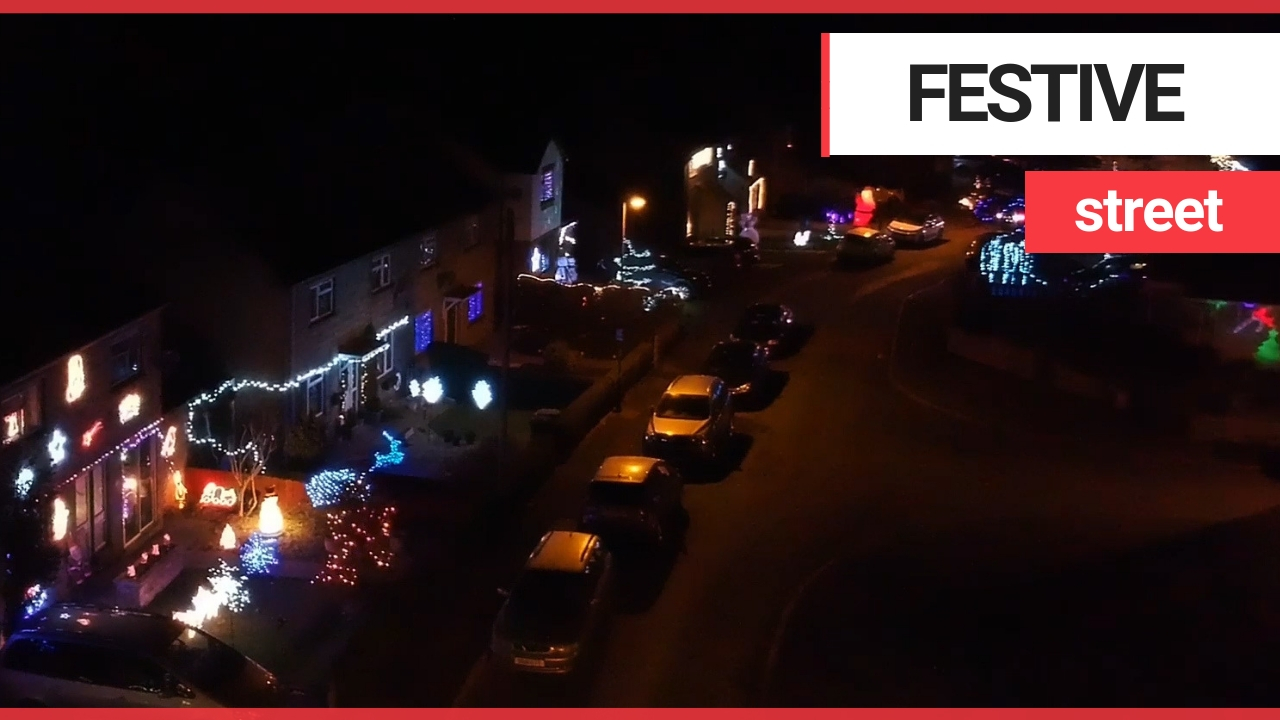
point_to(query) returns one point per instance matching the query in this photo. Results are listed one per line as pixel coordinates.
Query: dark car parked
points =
(742, 364)
(769, 325)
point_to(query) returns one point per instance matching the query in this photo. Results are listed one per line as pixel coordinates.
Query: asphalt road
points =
(877, 545)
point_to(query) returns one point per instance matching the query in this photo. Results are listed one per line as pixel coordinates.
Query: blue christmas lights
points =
(1004, 261)
(259, 554)
(37, 598)
(330, 486)
(394, 456)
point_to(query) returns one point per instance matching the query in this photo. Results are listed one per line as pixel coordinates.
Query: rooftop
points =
(562, 551)
(692, 385)
(624, 469)
(63, 298)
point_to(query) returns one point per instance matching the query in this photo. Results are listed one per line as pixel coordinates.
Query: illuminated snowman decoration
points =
(801, 239)
(270, 519)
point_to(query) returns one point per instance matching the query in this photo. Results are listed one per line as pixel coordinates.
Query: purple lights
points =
(838, 217)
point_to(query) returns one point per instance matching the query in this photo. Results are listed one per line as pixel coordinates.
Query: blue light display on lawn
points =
(37, 599)
(394, 456)
(259, 554)
(330, 486)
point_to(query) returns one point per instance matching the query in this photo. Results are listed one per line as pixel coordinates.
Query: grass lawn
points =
(463, 418)
(304, 531)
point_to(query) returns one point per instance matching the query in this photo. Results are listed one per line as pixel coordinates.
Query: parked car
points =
(915, 227)
(743, 364)
(692, 422)
(80, 656)
(766, 324)
(698, 282)
(865, 246)
(632, 499)
(555, 613)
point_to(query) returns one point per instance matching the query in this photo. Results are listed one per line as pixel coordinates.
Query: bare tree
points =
(248, 459)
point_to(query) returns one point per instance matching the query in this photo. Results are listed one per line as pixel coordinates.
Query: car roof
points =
(734, 345)
(562, 551)
(126, 629)
(864, 232)
(624, 469)
(692, 385)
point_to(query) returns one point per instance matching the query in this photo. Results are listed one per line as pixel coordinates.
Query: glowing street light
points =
(636, 203)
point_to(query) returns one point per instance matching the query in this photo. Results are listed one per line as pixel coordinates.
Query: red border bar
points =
(675, 7)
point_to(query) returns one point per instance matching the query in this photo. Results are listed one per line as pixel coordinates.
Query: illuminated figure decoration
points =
(91, 434)
(179, 490)
(864, 208)
(270, 519)
(1268, 353)
(12, 426)
(214, 495)
(394, 456)
(75, 378)
(25, 480)
(537, 261)
(170, 444)
(60, 517)
(258, 555)
(566, 262)
(482, 394)
(130, 407)
(433, 390)
(801, 239)
(1226, 162)
(57, 447)
(227, 541)
(415, 388)
(749, 231)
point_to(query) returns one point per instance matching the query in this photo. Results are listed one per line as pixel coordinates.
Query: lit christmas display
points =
(75, 378)
(1004, 261)
(801, 238)
(1268, 352)
(1228, 163)
(12, 426)
(330, 487)
(433, 390)
(130, 407)
(279, 387)
(270, 518)
(170, 444)
(227, 541)
(214, 495)
(132, 442)
(361, 536)
(482, 394)
(25, 480)
(632, 262)
(57, 447)
(91, 434)
(60, 517)
(225, 588)
(394, 456)
(36, 599)
(864, 208)
(179, 489)
(259, 555)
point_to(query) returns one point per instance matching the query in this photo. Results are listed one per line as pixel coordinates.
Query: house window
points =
(473, 233)
(126, 360)
(427, 255)
(385, 360)
(424, 332)
(547, 188)
(315, 396)
(380, 272)
(475, 304)
(321, 300)
(137, 482)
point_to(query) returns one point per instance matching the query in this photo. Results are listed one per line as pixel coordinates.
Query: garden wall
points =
(292, 493)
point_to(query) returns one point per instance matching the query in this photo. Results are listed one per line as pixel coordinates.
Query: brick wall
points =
(292, 493)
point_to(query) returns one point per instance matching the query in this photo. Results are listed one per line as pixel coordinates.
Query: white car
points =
(76, 656)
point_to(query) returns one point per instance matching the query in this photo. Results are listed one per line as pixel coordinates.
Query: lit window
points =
(475, 304)
(126, 361)
(427, 255)
(380, 272)
(315, 396)
(424, 332)
(547, 190)
(385, 360)
(321, 300)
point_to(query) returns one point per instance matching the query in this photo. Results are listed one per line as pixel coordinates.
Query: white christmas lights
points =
(433, 390)
(280, 387)
(130, 407)
(57, 447)
(25, 480)
(12, 426)
(270, 519)
(227, 540)
(75, 378)
(215, 495)
(482, 394)
(801, 238)
(133, 441)
(170, 444)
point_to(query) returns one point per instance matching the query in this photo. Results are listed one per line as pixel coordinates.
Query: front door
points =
(451, 320)
(352, 382)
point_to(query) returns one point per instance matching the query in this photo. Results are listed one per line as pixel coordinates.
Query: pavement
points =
(869, 543)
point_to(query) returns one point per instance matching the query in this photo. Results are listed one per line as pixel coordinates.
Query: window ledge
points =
(322, 318)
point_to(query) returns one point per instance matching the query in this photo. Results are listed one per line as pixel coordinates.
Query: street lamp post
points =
(635, 202)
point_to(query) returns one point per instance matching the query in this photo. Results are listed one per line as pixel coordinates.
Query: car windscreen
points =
(546, 595)
(915, 217)
(733, 355)
(684, 407)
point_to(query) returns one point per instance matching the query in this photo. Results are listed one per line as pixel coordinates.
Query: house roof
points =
(359, 184)
(61, 298)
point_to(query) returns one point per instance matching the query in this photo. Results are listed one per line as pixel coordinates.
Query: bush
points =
(305, 441)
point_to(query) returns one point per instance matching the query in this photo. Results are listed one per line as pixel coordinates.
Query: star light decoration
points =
(57, 447)
(259, 555)
(482, 394)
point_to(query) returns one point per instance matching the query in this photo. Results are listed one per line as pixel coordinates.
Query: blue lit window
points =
(424, 332)
(475, 304)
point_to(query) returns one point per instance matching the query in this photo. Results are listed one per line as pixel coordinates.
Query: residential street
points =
(845, 472)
